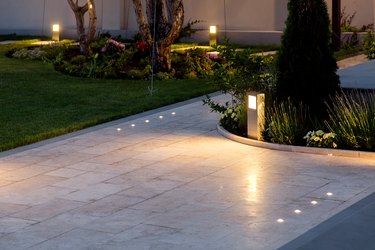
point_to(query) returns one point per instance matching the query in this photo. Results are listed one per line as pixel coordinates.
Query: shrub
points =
(163, 76)
(238, 73)
(33, 54)
(233, 115)
(369, 45)
(306, 68)
(352, 119)
(135, 74)
(198, 61)
(287, 123)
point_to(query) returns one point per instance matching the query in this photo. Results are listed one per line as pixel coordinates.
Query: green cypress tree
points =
(306, 67)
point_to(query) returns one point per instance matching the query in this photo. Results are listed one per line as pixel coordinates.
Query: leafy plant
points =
(352, 119)
(320, 139)
(233, 115)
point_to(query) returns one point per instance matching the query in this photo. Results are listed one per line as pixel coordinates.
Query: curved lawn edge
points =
(295, 149)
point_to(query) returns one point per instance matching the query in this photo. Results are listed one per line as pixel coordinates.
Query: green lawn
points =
(38, 103)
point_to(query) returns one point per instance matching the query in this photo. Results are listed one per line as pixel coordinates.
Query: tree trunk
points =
(167, 27)
(92, 25)
(84, 39)
(336, 24)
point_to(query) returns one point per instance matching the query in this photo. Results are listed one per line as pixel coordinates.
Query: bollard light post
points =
(255, 115)
(213, 35)
(56, 32)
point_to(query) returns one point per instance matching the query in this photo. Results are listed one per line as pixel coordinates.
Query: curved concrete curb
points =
(296, 149)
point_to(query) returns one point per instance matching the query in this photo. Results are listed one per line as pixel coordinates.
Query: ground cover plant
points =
(39, 102)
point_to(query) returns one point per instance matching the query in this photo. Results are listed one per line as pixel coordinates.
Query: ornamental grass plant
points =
(352, 119)
(287, 123)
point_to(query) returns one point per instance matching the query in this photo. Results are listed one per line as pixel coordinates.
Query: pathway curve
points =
(167, 180)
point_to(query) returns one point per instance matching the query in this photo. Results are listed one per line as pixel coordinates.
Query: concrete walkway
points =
(167, 180)
(359, 74)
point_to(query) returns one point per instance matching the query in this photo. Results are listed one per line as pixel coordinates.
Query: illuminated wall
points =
(254, 21)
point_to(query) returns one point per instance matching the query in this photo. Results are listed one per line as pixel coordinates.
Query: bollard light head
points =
(56, 28)
(213, 29)
(252, 102)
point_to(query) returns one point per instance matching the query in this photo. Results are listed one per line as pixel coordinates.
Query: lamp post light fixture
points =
(56, 32)
(255, 115)
(213, 35)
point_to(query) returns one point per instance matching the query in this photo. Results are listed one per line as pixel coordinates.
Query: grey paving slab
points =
(169, 183)
(353, 228)
(360, 76)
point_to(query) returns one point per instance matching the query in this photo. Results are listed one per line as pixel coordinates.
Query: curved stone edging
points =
(296, 149)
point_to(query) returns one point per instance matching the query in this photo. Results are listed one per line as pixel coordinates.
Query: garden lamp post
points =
(55, 32)
(213, 35)
(255, 115)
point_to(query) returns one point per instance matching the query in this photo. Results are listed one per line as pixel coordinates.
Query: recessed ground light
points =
(297, 211)
(147, 121)
(133, 125)
(173, 113)
(329, 194)
(118, 129)
(280, 220)
(314, 202)
(161, 117)
(330, 154)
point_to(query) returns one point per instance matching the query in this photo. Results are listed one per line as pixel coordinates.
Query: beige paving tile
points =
(85, 180)
(10, 225)
(26, 172)
(108, 205)
(7, 209)
(66, 160)
(75, 239)
(66, 172)
(94, 192)
(48, 209)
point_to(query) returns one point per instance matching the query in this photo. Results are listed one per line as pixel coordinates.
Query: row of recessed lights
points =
(297, 211)
(148, 121)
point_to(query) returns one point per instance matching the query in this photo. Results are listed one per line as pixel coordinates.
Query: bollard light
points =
(213, 35)
(56, 32)
(255, 115)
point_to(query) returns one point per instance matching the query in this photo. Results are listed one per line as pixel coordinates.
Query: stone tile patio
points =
(167, 180)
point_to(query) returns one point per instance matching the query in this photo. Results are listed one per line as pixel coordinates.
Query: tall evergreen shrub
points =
(306, 67)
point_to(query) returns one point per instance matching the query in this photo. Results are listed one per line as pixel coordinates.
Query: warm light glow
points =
(55, 28)
(173, 113)
(252, 102)
(280, 220)
(314, 202)
(90, 6)
(213, 29)
(329, 194)
(297, 211)
(252, 184)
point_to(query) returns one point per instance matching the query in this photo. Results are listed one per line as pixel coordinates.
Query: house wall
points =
(244, 21)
